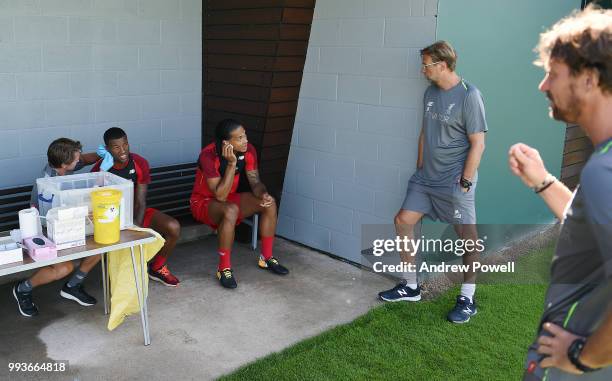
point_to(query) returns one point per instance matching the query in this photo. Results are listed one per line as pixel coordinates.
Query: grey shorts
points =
(447, 204)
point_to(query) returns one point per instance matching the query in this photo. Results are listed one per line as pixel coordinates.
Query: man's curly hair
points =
(583, 41)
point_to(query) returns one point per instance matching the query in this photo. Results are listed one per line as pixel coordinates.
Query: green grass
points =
(414, 342)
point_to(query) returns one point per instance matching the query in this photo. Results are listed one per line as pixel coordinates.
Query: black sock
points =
(77, 278)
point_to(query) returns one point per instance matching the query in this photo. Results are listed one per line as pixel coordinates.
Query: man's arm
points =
(89, 158)
(477, 147)
(597, 351)
(526, 163)
(256, 185)
(140, 206)
(221, 186)
(259, 189)
(420, 156)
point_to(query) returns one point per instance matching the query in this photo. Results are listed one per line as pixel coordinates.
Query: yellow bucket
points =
(105, 205)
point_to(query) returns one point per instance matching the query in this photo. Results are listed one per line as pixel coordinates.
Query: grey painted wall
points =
(355, 139)
(76, 67)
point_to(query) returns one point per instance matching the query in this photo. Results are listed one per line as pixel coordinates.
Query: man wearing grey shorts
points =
(451, 145)
(573, 339)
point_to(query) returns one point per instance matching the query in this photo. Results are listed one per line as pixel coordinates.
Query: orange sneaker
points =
(163, 275)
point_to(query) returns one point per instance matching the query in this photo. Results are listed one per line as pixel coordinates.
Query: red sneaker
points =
(163, 275)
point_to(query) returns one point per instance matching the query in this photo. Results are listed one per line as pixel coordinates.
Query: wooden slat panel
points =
(294, 32)
(575, 157)
(287, 79)
(242, 77)
(292, 48)
(236, 105)
(280, 124)
(255, 63)
(281, 94)
(244, 16)
(277, 138)
(298, 15)
(230, 61)
(255, 137)
(571, 170)
(574, 132)
(249, 32)
(258, 63)
(276, 152)
(251, 123)
(571, 182)
(274, 165)
(242, 47)
(237, 4)
(577, 145)
(292, 63)
(273, 181)
(230, 90)
(282, 109)
(257, 32)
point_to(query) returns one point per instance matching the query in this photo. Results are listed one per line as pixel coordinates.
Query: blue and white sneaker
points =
(463, 310)
(400, 293)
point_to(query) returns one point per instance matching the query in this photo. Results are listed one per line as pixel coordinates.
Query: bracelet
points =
(548, 181)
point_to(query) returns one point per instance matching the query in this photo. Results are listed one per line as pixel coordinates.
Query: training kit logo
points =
(429, 106)
(450, 108)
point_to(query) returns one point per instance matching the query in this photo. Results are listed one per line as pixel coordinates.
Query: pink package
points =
(40, 248)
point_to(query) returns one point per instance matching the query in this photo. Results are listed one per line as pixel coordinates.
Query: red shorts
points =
(148, 216)
(199, 209)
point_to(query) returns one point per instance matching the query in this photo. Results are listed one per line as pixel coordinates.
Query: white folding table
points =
(128, 239)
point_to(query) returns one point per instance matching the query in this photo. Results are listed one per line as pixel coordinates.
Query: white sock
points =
(411, 279)
(468, 290)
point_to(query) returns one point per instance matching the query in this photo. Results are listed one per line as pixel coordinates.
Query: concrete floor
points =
(198, 330)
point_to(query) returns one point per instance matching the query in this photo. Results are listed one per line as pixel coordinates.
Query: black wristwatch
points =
(573, 353)
(465, 183)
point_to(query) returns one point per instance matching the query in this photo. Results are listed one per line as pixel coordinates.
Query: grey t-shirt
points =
(580, 293)
(48, 171)
(449, 117)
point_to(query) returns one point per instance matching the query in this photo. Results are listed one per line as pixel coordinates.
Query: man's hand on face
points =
(228, 153)
(267, 200)
(526, 163)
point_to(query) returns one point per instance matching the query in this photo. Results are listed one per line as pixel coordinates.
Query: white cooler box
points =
(74, 190)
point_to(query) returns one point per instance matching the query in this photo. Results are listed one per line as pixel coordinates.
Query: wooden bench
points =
(169, 192)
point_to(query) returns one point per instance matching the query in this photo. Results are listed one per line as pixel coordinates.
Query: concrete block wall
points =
(74, 68)
(354, 143)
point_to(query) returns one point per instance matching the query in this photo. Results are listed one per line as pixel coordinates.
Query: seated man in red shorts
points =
(214, 200)
(136, 168)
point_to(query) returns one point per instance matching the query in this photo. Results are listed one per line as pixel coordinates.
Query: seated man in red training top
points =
(133, 167)
(214, 200)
